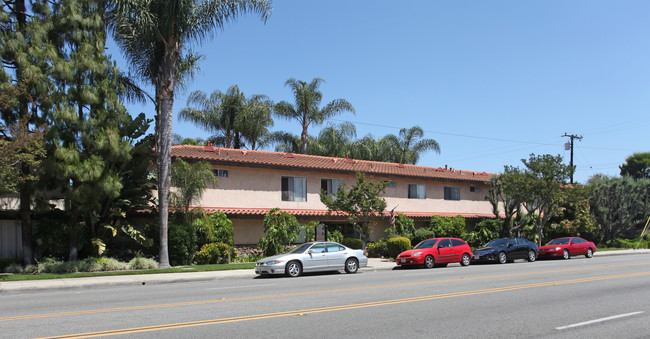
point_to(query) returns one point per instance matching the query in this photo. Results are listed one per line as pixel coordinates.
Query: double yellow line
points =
(202, 302)
(339, 308)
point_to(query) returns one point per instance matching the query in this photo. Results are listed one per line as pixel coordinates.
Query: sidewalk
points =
(143, 279)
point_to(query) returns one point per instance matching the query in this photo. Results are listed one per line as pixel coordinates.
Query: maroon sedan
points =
(436, 252)
(566, 247)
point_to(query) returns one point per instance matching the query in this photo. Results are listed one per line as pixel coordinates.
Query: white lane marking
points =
(230, 287)
(598, 320)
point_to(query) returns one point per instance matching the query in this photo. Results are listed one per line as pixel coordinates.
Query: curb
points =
(164, 278)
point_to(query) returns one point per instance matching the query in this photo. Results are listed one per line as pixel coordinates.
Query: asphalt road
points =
(602, 297)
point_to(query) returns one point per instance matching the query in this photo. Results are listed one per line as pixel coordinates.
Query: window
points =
(444, 243)
(457, 242)
(334, 247)
(221, 173)
(474, 189)
(452, 193)
(318, 248)
(390, 184)
(294, 189)
(330, 186)
(417, 191)
(577, 241)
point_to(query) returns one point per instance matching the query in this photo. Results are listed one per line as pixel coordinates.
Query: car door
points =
(458, 247)
(577, 246)
(445, 251)
(336, 256)
(514, 249)
(316, 258)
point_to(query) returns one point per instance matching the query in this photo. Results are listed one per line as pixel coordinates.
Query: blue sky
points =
(491, 81)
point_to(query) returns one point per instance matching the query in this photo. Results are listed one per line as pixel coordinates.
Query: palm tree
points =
(334, 140)
(409, 145)
(152, 34)
(306, 110)
(254, 121)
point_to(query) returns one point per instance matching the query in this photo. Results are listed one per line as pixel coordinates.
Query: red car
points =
(436, 252)
(566, 247)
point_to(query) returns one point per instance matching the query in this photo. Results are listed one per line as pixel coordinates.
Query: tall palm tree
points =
(306, 109)
(152, 35)
(254, 121)
(234, 118)
(409, 145)
(334, 140)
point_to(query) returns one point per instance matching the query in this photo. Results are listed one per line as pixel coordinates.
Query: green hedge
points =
(215, 253)
(353, 243)
(398, 245)
(378, 249)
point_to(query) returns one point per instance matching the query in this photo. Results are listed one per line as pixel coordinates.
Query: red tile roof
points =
(231, 211)
(314, 162)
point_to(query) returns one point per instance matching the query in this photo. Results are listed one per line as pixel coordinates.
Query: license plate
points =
(403, 260)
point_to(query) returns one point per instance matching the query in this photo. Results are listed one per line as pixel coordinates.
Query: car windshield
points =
(561, 241)
(426, 243)
(301, 248)
(497, 243)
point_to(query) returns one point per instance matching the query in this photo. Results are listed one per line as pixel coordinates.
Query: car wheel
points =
(466, 260)
(293, 269)
(590, 253)
(429, 262)
(565, 254)
(351, 265)
(531, 256)
(502, 258)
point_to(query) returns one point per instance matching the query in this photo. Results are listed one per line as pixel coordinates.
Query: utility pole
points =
(569, 145)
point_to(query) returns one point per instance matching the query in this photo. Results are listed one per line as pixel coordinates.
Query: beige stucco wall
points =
(261, 188)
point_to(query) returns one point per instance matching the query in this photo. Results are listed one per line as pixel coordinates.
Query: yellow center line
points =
(202, 302)
(338, 308)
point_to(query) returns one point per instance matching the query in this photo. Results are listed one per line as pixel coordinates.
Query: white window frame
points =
(454, 193)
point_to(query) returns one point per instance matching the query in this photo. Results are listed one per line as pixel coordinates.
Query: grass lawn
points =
(180, 269)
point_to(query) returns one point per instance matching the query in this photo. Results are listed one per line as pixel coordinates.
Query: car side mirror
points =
(310, 251)
(509, 245)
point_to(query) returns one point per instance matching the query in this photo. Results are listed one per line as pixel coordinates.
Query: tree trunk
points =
(165, 98)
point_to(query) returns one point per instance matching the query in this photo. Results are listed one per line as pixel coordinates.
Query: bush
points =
(485, 231)
(448, 226)
(355, 244)
(182, 243)
(58, 267)
(421, 234)
(215, 227)
(335, 236)
(215, 253)
(398, 245)
(404, 227)
(378, 249)
(14, 268)
(112, 264)
(281, 229)
(140, 263)
(91, 265)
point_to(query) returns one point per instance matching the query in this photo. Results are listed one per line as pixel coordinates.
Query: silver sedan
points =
(313, 257)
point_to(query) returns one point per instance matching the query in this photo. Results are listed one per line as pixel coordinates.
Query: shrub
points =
(215, 253)
(485, 231)
(421, 234)
(398, 245)
(30, 269)
(281, 229)
(112, 264)
(378, 249)
(140, 263)
(215, 227)
(335, 236)
(353, 243)
(14, 268)
(91, 265)
(55, 266)
(182, 243)
(404, 227)
(448, 226)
